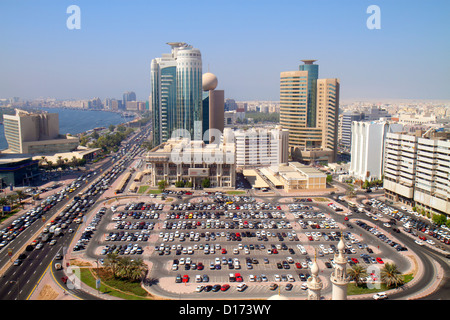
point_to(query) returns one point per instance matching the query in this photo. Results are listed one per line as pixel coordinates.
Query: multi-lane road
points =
(17, 282)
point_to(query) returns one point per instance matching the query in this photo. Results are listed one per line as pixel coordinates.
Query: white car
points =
(241, 287)
(380, 296)
(420, 243)
(199, 289)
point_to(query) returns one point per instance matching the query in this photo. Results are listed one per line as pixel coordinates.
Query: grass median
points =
(114, 287)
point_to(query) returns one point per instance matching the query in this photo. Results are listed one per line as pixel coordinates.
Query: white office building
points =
(417, 170)
(367, 149)
(258, 146)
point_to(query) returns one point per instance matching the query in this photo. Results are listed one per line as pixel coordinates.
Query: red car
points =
(188, 193)
(298, 265)
(310, 238)
(355, 260)
(422, 238)
(224, 251)
(185, 278)
(200, 266)
(238, 277)
(274, 251)
(225, 287)
(346, 218)
(379, 260)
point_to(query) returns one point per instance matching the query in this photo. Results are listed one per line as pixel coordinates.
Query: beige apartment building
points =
(32, 133)
(309, 109)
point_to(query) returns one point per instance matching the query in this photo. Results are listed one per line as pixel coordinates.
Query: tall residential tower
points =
(309, 109)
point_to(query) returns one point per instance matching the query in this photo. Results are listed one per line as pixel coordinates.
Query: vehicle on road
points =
(380, 296)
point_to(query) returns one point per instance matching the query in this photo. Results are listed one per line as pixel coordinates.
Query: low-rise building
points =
(34, 133)
(295, 176)
(193, 161)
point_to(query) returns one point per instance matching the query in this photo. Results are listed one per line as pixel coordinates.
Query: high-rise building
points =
(177, 92)
(417, 170)
(367, 149)
(347, 119)
(128, 96)
(258, 146)
(309, 109)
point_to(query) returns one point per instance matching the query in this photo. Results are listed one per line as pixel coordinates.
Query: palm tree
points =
(112, 262)
(20, 196)
(138, 270)
(60, 161)
(357, 272)
(3, 202)
(124, 267)
(391, 276)
(43, 160)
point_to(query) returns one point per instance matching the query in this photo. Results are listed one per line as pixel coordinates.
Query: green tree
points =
(440, 219)
(206, 183)
(20, 196)
(138, 270)
(179, 184)
(112, 127)
(366, 184)
(112, 263)
(329, 178)
(391, 276)
(162, 184)
(3, 202)
(357, 273)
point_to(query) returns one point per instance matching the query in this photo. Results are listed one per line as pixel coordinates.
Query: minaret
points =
(339, 277)
(314, 283)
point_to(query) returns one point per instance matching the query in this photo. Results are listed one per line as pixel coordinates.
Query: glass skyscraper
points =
(189, 91)
(313, 75)
(177, 92)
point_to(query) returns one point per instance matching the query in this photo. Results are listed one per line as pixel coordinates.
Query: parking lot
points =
(228, 240)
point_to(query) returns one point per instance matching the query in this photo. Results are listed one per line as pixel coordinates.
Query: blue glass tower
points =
(313, 75)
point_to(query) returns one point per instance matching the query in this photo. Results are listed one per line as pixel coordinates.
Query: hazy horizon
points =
(245, 43)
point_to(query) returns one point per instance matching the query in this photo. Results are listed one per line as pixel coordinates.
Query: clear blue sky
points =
(246, 43)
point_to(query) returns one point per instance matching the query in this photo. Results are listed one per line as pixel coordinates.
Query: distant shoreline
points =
(120, 116)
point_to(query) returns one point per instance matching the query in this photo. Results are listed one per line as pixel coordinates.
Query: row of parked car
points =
(89, 231)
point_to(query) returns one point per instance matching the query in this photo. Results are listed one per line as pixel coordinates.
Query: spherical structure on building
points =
(209, 81)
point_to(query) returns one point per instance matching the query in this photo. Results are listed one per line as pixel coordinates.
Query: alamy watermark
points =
(373, 280)
(261, 144)
(73, 278)
(374, 20)
(73, 22)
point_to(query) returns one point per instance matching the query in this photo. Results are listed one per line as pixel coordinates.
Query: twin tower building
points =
(184, 101)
